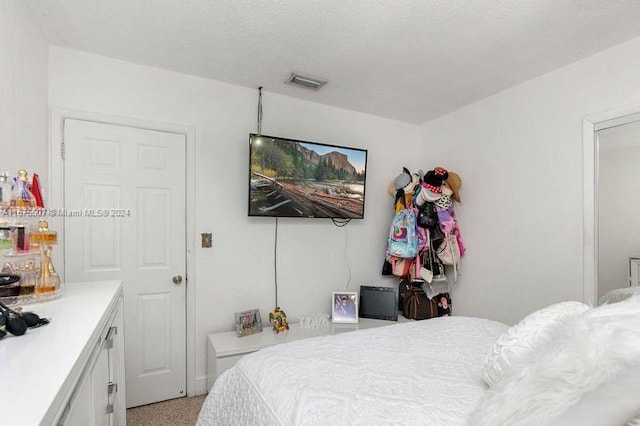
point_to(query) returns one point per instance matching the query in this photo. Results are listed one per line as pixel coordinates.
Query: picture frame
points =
(344, 307)
(248, 322)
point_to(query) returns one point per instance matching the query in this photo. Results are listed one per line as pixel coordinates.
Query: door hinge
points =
(62, 150)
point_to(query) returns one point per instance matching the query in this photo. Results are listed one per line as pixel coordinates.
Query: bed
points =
(443, 371)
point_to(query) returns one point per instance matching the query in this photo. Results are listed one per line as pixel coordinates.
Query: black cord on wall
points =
(275, 238)
(259, 110)
(275, 261)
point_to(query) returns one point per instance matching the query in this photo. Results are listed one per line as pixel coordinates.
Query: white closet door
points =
(128, 187)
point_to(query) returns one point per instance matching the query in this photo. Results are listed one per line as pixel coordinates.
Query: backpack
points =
(403, 241)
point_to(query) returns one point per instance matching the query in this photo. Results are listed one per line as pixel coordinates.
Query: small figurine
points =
(279, 320)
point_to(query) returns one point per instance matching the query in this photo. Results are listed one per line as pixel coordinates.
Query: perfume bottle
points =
(28, 278)
(6, 240)
(43, 235)
(20, 239)
(36, 190)
(21, 197)
(6, 189)
(48, 281)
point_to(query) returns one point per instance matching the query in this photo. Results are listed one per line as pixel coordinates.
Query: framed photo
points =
(248, 322)
(344, 307)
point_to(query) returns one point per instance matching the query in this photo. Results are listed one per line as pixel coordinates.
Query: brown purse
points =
(415, 303)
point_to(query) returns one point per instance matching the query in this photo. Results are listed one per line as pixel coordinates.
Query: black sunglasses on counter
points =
(16, 322)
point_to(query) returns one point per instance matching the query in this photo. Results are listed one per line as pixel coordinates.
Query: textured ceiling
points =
(409, 60)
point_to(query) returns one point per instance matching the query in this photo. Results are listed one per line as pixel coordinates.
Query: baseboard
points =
(201, 385)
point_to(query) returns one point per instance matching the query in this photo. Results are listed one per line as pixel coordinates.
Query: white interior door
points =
(124, 196)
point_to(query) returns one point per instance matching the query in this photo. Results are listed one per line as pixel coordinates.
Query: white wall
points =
(618, 205)
(519, 154)
(23, 92)
(237, 273)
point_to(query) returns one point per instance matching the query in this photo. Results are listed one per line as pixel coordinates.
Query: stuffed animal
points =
(279, 320)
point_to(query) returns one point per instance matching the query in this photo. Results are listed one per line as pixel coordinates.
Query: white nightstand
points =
(225, 349)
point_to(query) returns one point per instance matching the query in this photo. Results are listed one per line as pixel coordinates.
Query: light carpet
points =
(174, 412)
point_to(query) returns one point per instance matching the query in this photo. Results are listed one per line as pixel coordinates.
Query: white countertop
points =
(228, 343)
(38, 368)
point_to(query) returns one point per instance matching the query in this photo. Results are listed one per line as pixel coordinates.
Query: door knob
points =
(177, 279)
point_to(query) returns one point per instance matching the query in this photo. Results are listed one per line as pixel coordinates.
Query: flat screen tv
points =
(294, 178)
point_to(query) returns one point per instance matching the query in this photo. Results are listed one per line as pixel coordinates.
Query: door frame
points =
(56, 199)
(591, 150)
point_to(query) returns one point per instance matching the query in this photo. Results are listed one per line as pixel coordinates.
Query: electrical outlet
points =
(207, 240)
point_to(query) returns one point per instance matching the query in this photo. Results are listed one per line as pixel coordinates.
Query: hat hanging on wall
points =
(406, 181)
(441, 173)
(454, 182)
(431, 186)
(411, 186)
(445, 201)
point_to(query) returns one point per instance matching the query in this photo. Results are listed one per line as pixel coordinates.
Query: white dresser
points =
(71, 371)
(226, 348)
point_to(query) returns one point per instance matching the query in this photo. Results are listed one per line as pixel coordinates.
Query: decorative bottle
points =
(21, 238)
(48, 282)
(6, 189)
(36, 190)
(43, 235)
(21, 197)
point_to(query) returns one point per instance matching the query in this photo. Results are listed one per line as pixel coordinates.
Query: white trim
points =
(201, 386)
(56, 199)
(590, 234)
(590, 126)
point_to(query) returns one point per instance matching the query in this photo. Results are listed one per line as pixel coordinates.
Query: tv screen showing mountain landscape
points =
(291, 178)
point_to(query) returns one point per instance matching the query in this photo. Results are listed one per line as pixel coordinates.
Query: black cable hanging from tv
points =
(340, 222)
(275, 261)
(260, 110)
(275, 237)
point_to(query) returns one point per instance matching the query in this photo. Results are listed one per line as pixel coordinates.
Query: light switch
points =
(207, 240)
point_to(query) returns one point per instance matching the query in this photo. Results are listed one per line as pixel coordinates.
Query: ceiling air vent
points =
(305, 81)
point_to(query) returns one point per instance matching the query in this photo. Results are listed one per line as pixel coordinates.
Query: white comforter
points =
(417, 373)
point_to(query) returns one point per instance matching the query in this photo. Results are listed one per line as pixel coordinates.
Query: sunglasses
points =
(17, 323)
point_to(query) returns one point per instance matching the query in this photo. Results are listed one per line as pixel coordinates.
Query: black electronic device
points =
(293, 178)
(379, 302)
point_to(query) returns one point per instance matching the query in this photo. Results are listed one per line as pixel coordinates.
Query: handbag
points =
(427, 216)
(449, 254)
(448, 251)
(400, 266)
(415, 303)
(443, 301)
(431, 268)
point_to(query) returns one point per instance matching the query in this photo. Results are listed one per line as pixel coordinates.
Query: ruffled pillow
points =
(511, 350)
(588, 375)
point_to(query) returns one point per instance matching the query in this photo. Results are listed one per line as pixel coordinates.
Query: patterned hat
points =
(432, 182)
(441, 173)
(445, 200)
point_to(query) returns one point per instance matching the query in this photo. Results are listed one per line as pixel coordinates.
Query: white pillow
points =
(619, 294)
(511, 350)
(589, 375)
